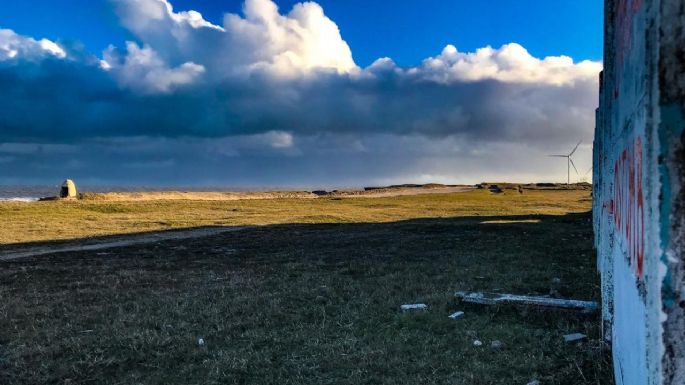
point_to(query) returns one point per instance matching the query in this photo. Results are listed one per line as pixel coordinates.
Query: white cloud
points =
(302, 40)
(263, 40)
(14, 46)
(509, 63)
(141, 16)
(142, 69)
(306, 41)
(52, 48)
(278, 139)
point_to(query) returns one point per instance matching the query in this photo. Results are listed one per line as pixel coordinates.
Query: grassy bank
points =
(53, 220)
(312, 297)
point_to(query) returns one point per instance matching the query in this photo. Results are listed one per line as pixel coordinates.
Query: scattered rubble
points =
(575, 337)
(414, 306)
(496, 345)
(512, 299)
(456, 315)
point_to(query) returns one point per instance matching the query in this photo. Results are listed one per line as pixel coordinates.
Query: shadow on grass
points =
(167, 235)
(307, 304)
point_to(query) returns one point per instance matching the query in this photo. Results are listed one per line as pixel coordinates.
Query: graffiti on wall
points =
(627, 205)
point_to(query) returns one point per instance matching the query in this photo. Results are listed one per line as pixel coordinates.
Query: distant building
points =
(495, 189)
(68, 189)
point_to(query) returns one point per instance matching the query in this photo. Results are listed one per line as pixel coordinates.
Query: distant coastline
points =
(127, 193)
(19, 199)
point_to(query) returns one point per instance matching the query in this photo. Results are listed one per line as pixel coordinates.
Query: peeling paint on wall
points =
(639, 206)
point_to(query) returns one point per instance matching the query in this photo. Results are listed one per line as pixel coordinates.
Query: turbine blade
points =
(559, 156)
(574, 166)
(575, 148)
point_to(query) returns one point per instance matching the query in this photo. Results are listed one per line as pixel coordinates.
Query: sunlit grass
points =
(52, 220)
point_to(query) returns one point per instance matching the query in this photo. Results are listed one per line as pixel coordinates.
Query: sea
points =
(26, 193)
(18, 193)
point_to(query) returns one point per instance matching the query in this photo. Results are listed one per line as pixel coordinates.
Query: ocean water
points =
(26, 193)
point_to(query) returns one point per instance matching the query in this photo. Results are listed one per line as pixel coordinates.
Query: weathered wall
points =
(639, 206)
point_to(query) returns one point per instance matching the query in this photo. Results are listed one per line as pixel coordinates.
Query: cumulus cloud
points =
(13, 46)
(510, 63)
(267, 86)
(260, 40)
(142, 69)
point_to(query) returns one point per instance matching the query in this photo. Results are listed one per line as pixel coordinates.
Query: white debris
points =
(512, 299)
(414, 306)
(456, 315)
(534, 382)
(200, 342)
(477, 343)
(497, 345)
(574, 337)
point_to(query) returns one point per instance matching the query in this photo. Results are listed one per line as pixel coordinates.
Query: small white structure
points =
(68, 190)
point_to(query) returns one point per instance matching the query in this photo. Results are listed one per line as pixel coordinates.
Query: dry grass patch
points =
(53, 220)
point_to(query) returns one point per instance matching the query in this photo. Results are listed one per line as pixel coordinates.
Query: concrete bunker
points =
(68, 190)
(638, 215)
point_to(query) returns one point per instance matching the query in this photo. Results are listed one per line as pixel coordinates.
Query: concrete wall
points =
(639, 205)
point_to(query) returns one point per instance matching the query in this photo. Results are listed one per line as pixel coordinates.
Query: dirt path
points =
(113, 242)
(386, 193)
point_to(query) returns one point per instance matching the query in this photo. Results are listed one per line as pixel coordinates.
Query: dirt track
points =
(113, 242)
(395, 192)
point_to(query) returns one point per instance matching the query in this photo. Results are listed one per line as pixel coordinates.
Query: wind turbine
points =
(569, 163)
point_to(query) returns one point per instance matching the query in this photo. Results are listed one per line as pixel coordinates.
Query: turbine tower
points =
(569, 163)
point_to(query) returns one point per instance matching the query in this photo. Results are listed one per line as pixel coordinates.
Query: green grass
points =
(314, 301)
(52, 220)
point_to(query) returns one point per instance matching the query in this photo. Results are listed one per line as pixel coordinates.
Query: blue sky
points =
(405, 30)
(474, 91)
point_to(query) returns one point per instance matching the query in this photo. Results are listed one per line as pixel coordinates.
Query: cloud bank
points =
(271, 98)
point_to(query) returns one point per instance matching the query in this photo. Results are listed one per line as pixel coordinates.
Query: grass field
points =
(59, 220)
(310, 297)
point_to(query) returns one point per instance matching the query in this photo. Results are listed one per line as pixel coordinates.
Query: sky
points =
(288, 94)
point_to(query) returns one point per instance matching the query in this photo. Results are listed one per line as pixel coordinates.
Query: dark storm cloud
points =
(276, 98)
(54, 100)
